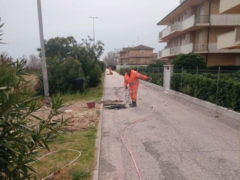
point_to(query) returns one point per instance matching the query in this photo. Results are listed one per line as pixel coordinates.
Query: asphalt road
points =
(172, 140)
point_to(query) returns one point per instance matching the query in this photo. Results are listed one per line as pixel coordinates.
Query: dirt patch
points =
(78, 115)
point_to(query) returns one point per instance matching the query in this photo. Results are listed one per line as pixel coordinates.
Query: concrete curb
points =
(154, 86)
(210, 106)
(98, 145)
(98, 142)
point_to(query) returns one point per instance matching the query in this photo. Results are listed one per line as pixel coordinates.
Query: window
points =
(238, 60)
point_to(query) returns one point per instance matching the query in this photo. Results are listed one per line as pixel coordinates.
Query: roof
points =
(142, 47)
(182, 4)
(139, 47)
(126, 49)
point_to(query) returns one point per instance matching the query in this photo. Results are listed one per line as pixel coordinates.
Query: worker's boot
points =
(134, 104)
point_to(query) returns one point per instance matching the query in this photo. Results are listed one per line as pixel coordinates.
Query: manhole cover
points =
(114, 104)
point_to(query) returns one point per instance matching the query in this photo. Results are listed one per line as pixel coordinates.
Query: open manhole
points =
(114, 104)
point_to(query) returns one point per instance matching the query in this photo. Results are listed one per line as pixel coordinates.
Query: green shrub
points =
(226, 94)
(157, 78)
(232, 68)
(21, 131)
(61, 74)
(158, 64)
(122, 71)
(94, 77)
(68, 60)
(189, 61)
(102, 65)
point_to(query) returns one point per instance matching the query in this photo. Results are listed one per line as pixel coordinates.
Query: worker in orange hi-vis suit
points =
(132, 78)
(110, 70)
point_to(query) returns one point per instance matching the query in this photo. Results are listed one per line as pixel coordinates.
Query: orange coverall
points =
(133, 81)
(110, 70)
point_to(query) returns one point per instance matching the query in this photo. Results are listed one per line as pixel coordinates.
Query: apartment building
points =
(201, 26)
(230, 39)
(137, 56)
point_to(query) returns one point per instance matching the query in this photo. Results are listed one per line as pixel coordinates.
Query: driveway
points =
(166, 139)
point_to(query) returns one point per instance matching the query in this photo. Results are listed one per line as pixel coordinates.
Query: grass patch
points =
(77, 175)
(83, 141)
(32, 79)
(89, 94)
(94, 93)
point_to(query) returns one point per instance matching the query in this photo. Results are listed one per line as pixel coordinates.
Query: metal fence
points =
(156, 73)
(219, 86)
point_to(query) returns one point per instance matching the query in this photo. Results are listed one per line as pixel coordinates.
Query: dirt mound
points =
(77, 114)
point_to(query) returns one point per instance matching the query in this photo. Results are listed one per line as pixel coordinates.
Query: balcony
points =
(212, 48)
(169, 52)
(195, 22)
(229, 40)
(225, 20)
(165, 53)
(169, 30)
(178, 27)
(229, 6)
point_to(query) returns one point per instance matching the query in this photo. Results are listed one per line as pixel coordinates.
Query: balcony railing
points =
(159, 54)
(184, 49)
(225, 19)
(229, 6)
(160, 35)
(175, 50)
(238, 35)
(226, 40)
(202, 19)
(212, 48)
(165, 32)
(137, 56)
(168, 52)
(182, 26)
(164, 53)
(200, 47)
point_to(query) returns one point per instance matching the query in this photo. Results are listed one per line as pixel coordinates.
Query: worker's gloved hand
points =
(149, 79)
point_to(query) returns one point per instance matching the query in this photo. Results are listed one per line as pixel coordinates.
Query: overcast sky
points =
(120, 23)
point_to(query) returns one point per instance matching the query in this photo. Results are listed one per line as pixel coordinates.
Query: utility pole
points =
(43, 57)
(93, 19)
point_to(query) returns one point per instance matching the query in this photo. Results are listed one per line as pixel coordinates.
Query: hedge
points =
(226, 93)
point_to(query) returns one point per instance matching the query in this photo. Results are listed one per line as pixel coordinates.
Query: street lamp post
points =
(43, 57)
(93, 19)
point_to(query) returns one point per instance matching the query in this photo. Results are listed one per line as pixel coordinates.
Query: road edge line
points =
(98, 140)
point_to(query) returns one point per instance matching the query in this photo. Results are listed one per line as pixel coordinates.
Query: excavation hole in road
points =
(114, 104)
